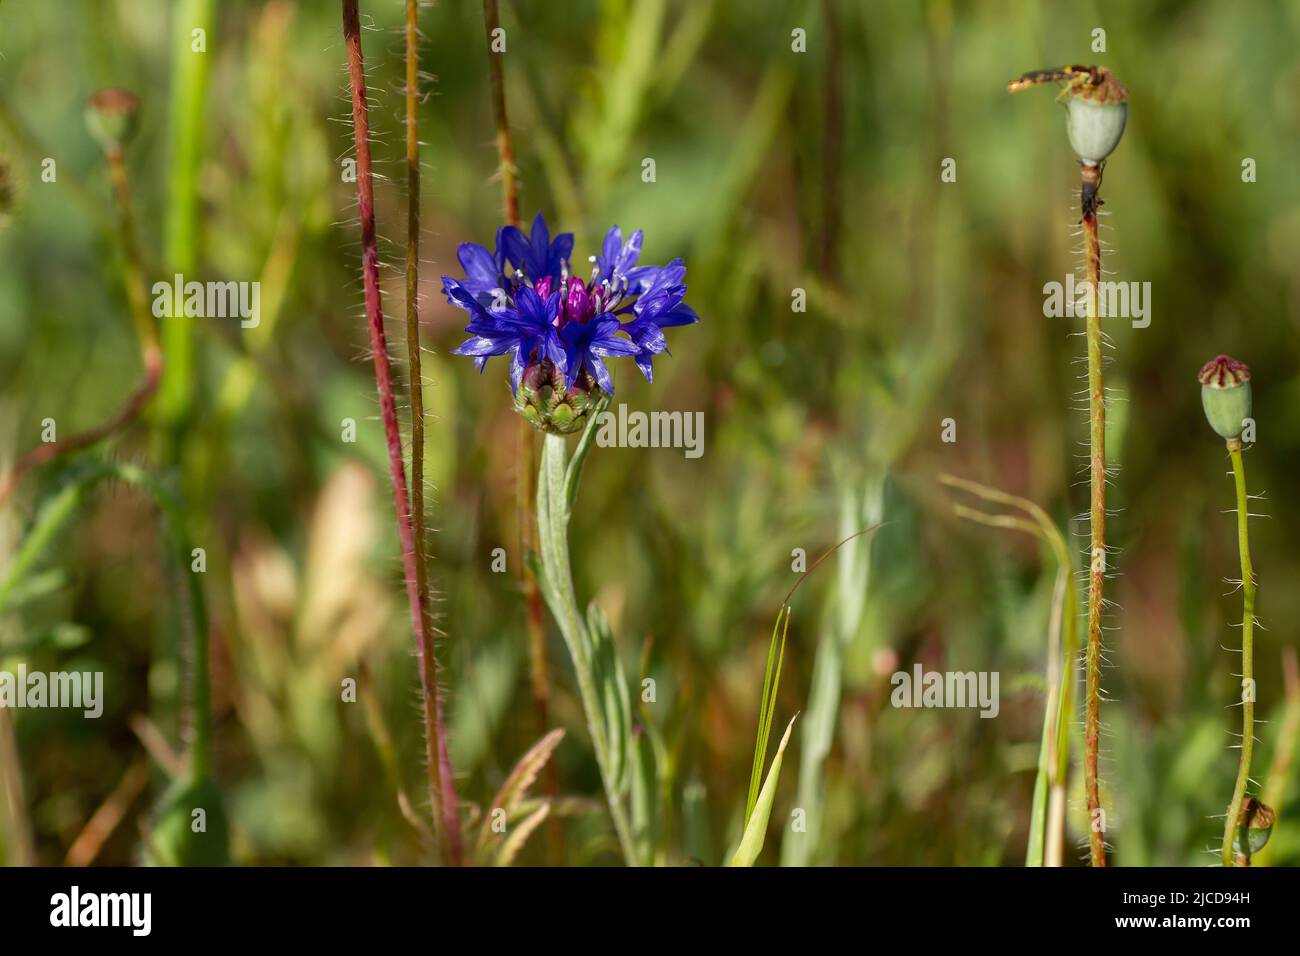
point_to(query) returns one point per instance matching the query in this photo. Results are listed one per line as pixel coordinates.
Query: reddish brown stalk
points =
(442, 785)
(1097, 564)
(413, 323)
(150, 352)
(525, 493)
(505, 148)
(85, 848)
(833, 137)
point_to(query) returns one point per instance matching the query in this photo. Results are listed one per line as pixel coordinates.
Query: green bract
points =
(552, 406)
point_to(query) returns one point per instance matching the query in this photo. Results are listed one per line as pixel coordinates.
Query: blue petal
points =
(630, 254)
(600, 373)
(561, 249)
(553, 349)
(538, 247)
(645, 362)
(609, 252)
(682, 315)
(516, 371)
(514, 246)
(481, 271)
(480, 346)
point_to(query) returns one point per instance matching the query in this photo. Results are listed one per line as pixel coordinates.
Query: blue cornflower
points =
(587, 344)
(537, 255)
(618, 259)
(659, 307)
(557, 329)
(484, 271)
(525, 331)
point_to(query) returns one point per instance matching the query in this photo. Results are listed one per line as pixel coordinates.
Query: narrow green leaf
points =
(751, 844)
(515, 787)
(771, 682)
(573, 474)
(519, 835)
(611, 685)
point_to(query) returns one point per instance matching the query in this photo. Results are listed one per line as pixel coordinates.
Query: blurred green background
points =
(776, 171)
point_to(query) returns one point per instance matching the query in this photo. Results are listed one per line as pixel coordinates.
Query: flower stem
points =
(147, 335)
(1097, 514)
(187, 124)
(553, 508)
(539, 666)
(442, 786)
(505, 147)
(1247, 663)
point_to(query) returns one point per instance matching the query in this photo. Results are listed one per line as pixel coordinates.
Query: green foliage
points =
(923, 302)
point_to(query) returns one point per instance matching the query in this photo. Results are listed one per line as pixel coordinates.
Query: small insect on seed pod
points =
(1225, 395)
(1096, 104)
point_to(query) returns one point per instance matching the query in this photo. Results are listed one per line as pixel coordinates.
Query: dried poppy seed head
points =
(1258, 819)
(1225, 395)
(110, 117)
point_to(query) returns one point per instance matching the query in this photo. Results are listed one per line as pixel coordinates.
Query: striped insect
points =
(1090, 82)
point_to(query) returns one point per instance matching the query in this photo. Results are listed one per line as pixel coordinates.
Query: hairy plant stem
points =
(539, 665)
(146, 334)
(442, 786)
(505, 147)
(413, 315)
(1096, 514)
(556, 489)
(1247, 666)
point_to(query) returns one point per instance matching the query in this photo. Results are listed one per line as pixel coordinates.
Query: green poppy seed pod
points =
(110, 117)
(1096, 104)
(1225, 395)
(550, 405)
(1095, 128)
(1258, 819)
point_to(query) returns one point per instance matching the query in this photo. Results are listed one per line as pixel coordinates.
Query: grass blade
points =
(751, 844)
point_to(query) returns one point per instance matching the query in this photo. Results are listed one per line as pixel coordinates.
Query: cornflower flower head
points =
(558, 330)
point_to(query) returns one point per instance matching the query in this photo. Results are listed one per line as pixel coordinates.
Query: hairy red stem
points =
(442, 786)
